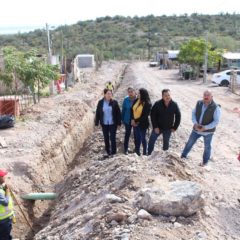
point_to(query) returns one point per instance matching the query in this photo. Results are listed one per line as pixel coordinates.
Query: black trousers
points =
(109, 134)
(5, 229)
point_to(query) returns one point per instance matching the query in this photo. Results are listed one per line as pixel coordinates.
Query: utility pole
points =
(149, 42)
(205, 60)
(49, 44)
(51, 85)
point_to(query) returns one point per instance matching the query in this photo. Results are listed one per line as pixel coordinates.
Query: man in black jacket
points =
(165, 117)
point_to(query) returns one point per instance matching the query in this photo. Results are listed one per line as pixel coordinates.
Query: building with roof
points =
(231, 59)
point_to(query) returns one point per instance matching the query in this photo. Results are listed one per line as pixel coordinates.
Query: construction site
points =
(55, 149)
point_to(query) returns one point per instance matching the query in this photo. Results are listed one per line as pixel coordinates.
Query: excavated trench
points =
(57, 152)
(91, 148)
(84, 209)
(83, 212)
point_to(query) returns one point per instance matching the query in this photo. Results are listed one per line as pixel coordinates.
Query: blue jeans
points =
(109, 134)
(207, 145)
(128, 128)
(140, 135)
(5, 229)
(166, 137)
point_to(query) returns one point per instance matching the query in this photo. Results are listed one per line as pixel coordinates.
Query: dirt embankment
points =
(47, 137)
(84, 211)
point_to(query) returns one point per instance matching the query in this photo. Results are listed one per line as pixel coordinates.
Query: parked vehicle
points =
(153, 64)
(223, 78)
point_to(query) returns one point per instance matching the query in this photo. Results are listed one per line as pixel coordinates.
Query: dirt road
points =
(82, 211)
(221, 184)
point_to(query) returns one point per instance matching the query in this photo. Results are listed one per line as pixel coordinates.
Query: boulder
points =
(180, 198)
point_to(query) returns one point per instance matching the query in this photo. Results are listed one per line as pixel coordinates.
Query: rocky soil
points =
(104, 199)
(109, 199)
(46, 139)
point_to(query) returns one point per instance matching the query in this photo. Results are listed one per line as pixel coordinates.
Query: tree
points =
(37, 74)
(31, 70)
(13, 63)
(193, 52)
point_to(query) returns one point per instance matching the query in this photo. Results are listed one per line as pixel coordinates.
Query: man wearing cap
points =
(6, 208)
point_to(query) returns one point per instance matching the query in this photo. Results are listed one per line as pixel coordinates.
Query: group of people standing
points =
(165, 117)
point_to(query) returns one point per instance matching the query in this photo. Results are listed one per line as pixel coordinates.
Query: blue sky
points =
(23, 15)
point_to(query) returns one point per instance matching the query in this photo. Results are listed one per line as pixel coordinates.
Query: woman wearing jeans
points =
(109, 115)
(139, 119)
(126, 116)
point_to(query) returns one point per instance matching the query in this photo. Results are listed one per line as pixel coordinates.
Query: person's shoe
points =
(126, 152)
(106, 155)
(207, 167)
(138, 153)
(202, 164)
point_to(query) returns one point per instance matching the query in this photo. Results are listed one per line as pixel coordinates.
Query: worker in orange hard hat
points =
(6, 208)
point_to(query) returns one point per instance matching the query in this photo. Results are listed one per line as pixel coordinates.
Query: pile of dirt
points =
(45, 140)
(99, 198)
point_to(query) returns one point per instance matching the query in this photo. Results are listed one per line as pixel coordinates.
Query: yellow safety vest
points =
(6, 211)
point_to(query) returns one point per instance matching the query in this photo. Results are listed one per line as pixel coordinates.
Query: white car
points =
(223, 78)
(153, 64)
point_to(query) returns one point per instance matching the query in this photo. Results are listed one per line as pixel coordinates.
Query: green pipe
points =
(40, 196)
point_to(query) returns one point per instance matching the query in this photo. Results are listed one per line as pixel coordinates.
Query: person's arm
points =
(177, 118)
(132, 116)
(123, 108)
(194, 119)
(4, 199)
(145, 113)
(154, 116)
(216, 118)
(97, 115)
(118, 111)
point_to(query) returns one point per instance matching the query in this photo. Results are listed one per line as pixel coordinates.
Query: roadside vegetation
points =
(132, 38)
(33, 71)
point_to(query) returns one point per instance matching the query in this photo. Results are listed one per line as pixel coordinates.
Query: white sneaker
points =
(207, 167)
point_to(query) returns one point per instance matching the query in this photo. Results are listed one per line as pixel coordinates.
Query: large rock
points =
(180, 198)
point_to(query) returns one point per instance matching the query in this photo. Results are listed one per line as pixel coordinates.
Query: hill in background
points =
(129, 38)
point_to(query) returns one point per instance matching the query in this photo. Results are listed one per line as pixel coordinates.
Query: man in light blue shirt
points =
(205, 118)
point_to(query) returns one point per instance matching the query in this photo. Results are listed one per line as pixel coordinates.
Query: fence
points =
(235, 82)
(15, 104)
